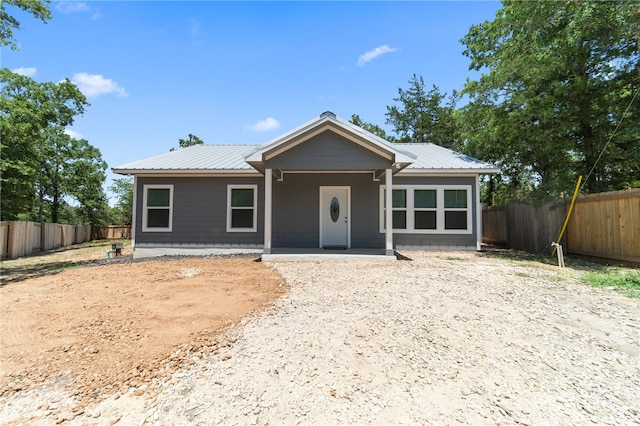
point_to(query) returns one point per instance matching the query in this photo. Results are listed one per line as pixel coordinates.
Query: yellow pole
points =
(566, 219)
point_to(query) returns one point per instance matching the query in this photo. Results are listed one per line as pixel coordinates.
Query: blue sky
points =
(237, 72)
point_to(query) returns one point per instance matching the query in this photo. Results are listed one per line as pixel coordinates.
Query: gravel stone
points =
(442, 338)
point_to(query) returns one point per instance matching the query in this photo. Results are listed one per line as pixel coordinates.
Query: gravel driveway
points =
(444, 338)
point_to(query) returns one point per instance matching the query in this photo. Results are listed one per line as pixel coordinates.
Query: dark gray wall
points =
(328, 151)
(296, 209)
(200, 211)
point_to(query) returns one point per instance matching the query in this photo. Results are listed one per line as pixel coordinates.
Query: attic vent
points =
(328, 114)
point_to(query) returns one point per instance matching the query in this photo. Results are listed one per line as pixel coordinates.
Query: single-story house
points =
(323, 185)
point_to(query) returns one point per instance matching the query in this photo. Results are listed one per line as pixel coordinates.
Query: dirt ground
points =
(120, 323)
(494, 337)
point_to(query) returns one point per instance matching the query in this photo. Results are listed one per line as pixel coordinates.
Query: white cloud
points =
(194, 26)
(26, 71)
(77, 7)
(264, 125)
(372, 54)
(73, 134)
(92, 85)
(72, 6)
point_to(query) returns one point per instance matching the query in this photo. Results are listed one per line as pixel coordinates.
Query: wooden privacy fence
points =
(19, 238)
(605, 225)
(112, 232)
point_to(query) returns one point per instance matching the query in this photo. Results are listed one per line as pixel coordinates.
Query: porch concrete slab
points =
(326, 255)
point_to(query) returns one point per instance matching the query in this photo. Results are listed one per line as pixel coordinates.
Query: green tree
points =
(371, 128)
(425, 116)
(190, 141)
(27, 111)
(557, 80)
(8, 24)
(123, 190)
(70, 168)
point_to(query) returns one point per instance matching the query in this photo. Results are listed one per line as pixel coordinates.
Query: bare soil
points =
(437, 338)
(109, 328)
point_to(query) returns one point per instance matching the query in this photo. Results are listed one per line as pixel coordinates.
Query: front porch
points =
(327, 255)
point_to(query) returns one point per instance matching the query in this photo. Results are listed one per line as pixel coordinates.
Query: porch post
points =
(133, 213)
(478, 209)
(268, 181)
(388, 191)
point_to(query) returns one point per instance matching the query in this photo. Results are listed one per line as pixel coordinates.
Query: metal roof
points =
(196, 159)
(433, 158)
(222, 159)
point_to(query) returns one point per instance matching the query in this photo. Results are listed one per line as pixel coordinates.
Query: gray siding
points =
(439, 240)
(296, 209)
(200, 212)
(328, 151)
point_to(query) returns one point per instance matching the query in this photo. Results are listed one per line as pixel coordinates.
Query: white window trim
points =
(440, 210)
(145, 208)
(255, 208)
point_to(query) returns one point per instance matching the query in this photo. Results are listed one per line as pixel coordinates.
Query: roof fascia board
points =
(319, 172)
(447, 172)
(175, 172)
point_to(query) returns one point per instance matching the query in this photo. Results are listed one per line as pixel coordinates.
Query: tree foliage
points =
(557, 79)
(369, 127)
(40, 163)
(425, 116)
(122, 188)
(190, 141)
(9, 24)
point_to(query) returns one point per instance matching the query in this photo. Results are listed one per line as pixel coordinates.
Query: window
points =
(157, 207)
(399, 214)
(242, 206)
(455, 209)
(399, 203)
(424, 209)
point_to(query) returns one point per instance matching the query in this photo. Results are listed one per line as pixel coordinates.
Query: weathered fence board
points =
(4, 239)
(50, 236)
(112, 232)
(603, 225)
(20, 238)
(494, 230)
(523, 227)
(67, 235)
(83, 234)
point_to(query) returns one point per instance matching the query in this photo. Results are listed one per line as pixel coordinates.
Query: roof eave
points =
(452, 171)
(183, 171)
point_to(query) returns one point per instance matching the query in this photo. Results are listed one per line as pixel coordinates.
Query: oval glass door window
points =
(334, 209)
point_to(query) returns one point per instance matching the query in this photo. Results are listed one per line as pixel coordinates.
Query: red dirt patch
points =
(105, 329)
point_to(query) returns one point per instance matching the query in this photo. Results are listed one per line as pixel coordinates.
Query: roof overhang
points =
(184, 172)
(477, 171)
(328, 122)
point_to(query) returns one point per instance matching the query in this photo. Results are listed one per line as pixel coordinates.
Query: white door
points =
(335, 220)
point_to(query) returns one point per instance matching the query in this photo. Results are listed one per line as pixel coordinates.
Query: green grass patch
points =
(454, 258)
(628, 282)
